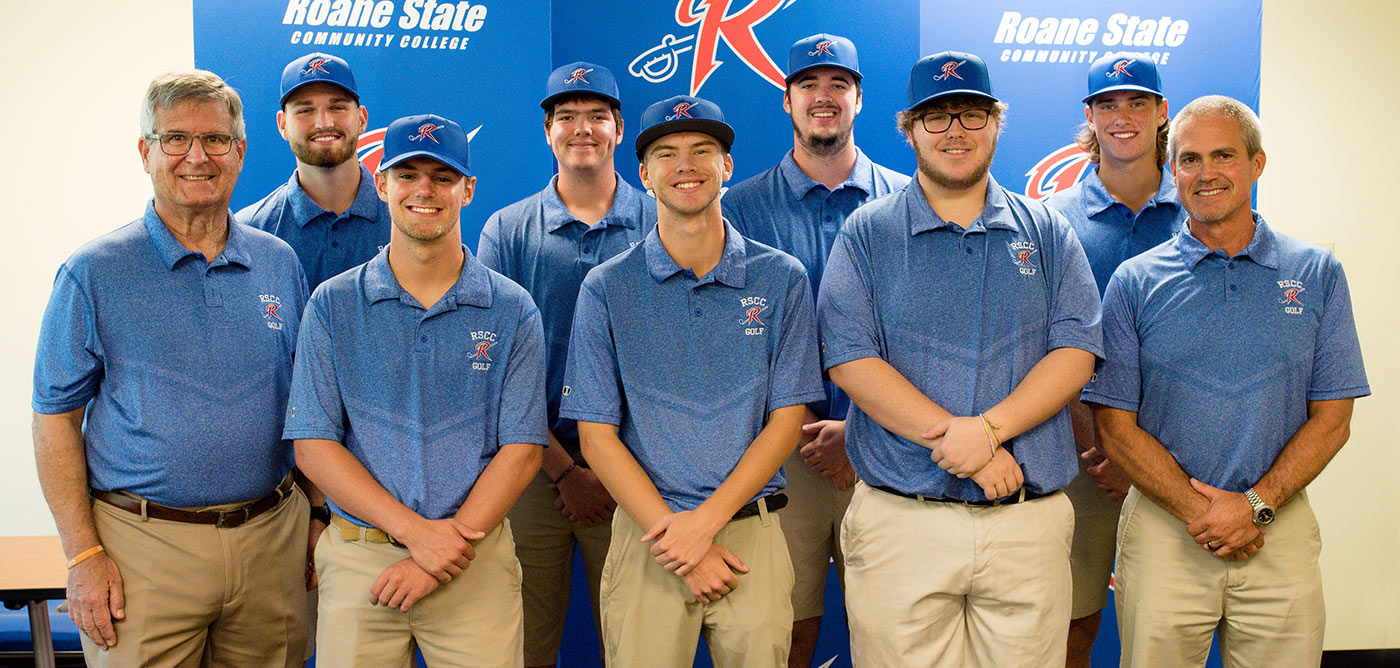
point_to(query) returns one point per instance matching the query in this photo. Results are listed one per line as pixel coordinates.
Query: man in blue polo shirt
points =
(798, 206)
(1125, 205)
(692, 357)
(162, 371)
(547, 242)
(417, 407)
(961, 318)
(328, 210)
(1231, 366)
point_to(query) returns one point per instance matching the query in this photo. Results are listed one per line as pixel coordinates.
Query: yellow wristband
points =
(84, 555)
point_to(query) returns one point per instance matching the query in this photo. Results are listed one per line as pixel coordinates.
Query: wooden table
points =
(31, 574)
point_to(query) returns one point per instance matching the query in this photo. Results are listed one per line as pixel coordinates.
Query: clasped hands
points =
(1226, 529)
(684, 545)
(963, 447)
(440, 550)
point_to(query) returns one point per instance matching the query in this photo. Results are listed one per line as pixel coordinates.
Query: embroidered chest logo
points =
(481, 355)
(753, 315)
(1023, 253)
(1290, 300)
(270, 307)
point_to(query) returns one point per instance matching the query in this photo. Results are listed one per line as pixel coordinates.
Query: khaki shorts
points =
(199, 595)
(944, 584)
(473, 620)
(1095, 534)
(651, 619)
(544, 544)
(812, 525)
(1171, 595)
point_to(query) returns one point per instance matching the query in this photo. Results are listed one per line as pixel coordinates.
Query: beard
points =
(947, 181)
(324, 156)
(822, 144)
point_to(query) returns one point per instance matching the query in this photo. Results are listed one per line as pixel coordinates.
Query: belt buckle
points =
(241, 513)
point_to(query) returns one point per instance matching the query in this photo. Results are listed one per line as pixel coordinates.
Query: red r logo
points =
(753, 315)
(481, 347)
(737, 32)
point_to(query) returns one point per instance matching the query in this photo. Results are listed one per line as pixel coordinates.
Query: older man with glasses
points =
(163, 367)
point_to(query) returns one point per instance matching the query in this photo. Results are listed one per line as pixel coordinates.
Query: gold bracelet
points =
(991, 433)
(84, 555)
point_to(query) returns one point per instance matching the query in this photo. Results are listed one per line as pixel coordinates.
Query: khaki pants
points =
(943, 584)
(544, 544)
(812, 526)
(650, 619)
(472, 620)
(1095, 536)
(199, 595)
(1171, 595)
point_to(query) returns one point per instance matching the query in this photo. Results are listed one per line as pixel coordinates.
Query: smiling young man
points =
(1125, 205)
(798, 206)
(328, 211)
(547, 243)
(162, 371)
(1231, 366)
(960, 318)
(693, 355)
(417, 407)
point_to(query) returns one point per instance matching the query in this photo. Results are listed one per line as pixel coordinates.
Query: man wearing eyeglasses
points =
(163, 367)
(961, 319)
(328, 211)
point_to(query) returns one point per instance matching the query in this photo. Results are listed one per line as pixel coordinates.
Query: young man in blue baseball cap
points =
(547, 242)
(328, 210)
(417, 407)
(1125, 205)
(798, 206)
(961, 318)
(693, 356)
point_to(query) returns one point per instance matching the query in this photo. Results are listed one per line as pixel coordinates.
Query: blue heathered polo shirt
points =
(963, 315)
(424, 398)
(788, 210)
(537, 243)
(690, 368)
(326, 243)
(1220, 356)
(183, 365)
(1108, 229)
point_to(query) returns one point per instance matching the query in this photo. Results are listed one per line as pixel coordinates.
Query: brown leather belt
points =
(224, 519)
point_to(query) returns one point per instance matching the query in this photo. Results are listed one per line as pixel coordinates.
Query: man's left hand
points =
(682, 539)
(316, 528)
(401, 585)
(960, 445)
(1227, 525)
(1107, 476)
(826, 452)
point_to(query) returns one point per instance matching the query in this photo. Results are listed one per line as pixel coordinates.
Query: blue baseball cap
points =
(683, 113)
(580, 78)
(948, 73)
(426, 135)
(1123, 71)
(822, 50)
(317, 67)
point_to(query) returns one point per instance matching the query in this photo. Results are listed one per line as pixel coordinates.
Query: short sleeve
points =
(846, 318)
(1074, 298)
(592, 381)
(1338, 372)
(1117, 382)
(797, 368)
(315, 408)
(522, 414)
(68, 365)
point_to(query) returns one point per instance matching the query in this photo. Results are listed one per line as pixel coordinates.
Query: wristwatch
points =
(322, 513)
(1263, 512)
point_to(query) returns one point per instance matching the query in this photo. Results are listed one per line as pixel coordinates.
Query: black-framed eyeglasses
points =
(940, 121)
(179, 143)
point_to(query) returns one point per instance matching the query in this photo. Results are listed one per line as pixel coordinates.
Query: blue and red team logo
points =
(1121, 67)
(370, 148)
(316, 65)
(823, 46)
(751, 316)
(426, 131)
(576, 76)
(481, 348)
(681, 110)
(1058, 171)
(715, 23)
(1291, 302)
(1022, 253)
(753, 307)
(270, 307)
(950, 69)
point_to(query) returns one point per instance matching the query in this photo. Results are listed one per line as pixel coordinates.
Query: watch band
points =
(1263, 512)
(322, 513)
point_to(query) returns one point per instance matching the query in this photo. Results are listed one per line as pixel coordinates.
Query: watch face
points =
(1263, 516)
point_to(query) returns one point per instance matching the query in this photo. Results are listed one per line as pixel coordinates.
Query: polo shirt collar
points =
(862, 175)
(556, 215)
(171, 251)
(473, 286)
(366, 204)
(1262, 248)
(995, 214)
(1097, 199)
(731, 270)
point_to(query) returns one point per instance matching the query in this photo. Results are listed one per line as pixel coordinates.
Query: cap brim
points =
(946, 93)
(800, 70)
(716, 129)
(548, 102)
(414, 154)
(297, 87)
(1112, 89)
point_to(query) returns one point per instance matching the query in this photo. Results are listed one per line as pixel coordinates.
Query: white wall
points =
(73, 82)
